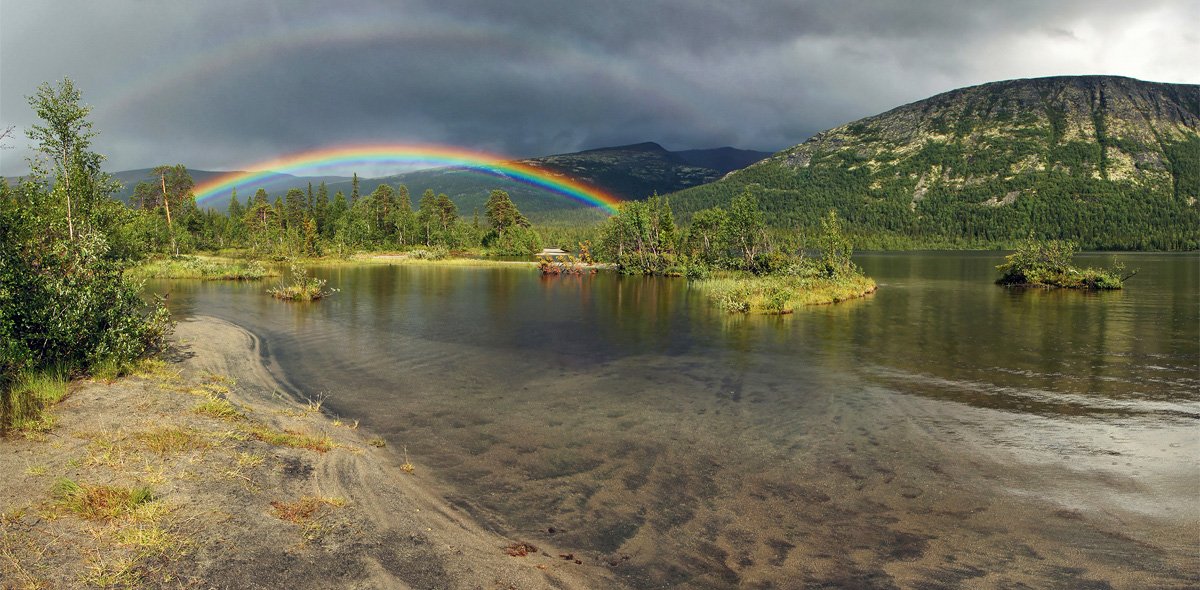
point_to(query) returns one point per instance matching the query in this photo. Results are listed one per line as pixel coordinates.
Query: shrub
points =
(302, 287)
(1048, 264)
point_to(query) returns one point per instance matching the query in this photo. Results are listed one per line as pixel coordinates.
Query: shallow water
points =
(944, 431)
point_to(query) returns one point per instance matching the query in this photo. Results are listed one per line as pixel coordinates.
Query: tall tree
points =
(294, 207)
(427, 215)
(354, 189)
(65, 138)
(502, 213)
(321, 207)
(746, 228)
(336, 212)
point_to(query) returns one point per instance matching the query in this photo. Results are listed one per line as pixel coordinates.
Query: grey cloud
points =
(226, 83)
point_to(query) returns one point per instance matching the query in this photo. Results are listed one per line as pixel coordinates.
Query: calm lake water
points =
(942, 432)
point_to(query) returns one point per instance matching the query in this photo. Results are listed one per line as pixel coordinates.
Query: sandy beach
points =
(249, 489)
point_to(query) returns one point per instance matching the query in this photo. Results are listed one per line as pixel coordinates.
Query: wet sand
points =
(860, 488)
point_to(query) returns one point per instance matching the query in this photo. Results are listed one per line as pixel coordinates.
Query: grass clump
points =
(288, 438)
(302, 287)
(194, 267)
(170, 439)
(26, 405)
(100, 502)
(220, 408)
(1048, 264)
(304, 509)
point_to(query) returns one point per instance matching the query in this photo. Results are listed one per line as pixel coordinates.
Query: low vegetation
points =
(731, 255)
(66, 306)
(302, 287)
(205, 268)
(100, 502)
(1049, 264)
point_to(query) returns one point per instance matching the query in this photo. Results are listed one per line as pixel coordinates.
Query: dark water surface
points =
(944, 432)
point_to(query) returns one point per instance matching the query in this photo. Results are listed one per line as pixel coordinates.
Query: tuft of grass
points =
(406, 467)
(170, 439)
(304, 509)
(377, 442)
(220, 408)
(25, 405)
(100, 502)
(288, 438)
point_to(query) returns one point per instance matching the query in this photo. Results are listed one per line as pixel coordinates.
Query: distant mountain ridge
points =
(1109, 161)
(630, 172)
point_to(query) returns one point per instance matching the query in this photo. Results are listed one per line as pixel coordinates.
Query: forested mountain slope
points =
(1111, 162)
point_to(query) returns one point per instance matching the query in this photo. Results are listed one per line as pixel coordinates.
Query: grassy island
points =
(201, 267)
(302, 288)
(780, 294)
(1048, 264)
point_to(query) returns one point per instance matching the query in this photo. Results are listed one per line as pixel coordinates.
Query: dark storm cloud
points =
(225, 84)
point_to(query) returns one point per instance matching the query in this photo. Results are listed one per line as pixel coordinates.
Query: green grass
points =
(100, 502)
(287, 438)
(780, 294)
(220, 408)
(196, 267)
(25, 406)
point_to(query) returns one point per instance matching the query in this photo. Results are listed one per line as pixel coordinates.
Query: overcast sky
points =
(223, 84)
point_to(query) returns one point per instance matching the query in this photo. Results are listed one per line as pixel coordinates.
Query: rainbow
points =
(428, 155)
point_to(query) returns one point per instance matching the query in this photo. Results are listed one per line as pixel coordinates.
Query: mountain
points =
(1109, 161)
(629, 172)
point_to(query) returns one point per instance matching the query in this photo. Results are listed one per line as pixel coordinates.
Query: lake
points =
(942, 432)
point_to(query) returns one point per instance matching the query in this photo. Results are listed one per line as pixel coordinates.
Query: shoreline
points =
(242, 495)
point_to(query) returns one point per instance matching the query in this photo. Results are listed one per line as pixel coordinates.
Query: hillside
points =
(1112, 162)
(630, 172)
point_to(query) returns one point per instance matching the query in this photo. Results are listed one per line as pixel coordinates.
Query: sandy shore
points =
(250, 489)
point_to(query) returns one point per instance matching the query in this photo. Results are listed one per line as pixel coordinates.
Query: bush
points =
(1048, 264)
(302, 287)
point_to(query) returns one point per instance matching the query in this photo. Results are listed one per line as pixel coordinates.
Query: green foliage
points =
(782, 293)
(302, 287)
(641, 238)
(192, 267)
(65, 304)
(1048, 264)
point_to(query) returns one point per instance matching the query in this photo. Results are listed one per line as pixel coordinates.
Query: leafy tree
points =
(707, 236)
(427, 216)
(65, 304)
(404, 221)
(745, 228)
(64, 137)
(641, 238)
(835, 246)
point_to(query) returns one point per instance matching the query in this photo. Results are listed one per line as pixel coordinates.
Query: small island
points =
(1048, 264)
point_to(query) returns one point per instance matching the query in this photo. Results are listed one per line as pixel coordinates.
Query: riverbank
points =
(200, 472)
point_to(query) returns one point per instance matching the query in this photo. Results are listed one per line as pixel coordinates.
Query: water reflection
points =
(943, 420)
